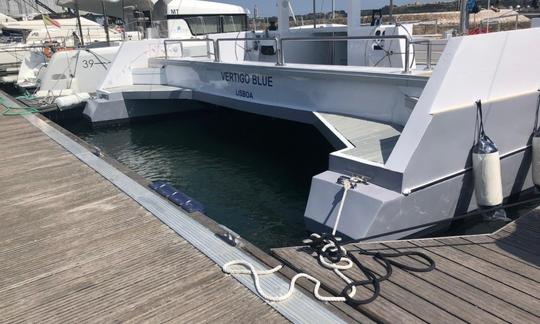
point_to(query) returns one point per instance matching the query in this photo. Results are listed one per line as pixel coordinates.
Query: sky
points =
(268, 7)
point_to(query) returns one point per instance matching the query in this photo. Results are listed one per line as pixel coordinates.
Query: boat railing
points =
(232, 39)
(498, 21)
(280, 55)
(215, 44)
(429, 50)
(191, 40)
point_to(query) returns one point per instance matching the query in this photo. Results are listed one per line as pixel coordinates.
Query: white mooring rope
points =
(343, 264)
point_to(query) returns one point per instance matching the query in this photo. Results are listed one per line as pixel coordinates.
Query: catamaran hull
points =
(116, 111)
(371, 210)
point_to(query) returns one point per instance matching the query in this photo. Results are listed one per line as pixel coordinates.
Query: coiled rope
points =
(16, 111)
(332, 255)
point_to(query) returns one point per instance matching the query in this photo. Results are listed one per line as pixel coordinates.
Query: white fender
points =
(487, 179)
(536, 160)
(71, 100)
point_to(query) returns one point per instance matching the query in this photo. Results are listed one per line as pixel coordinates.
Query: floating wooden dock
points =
(478, 279)
(74, 248)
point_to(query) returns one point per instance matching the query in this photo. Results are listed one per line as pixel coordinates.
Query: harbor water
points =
(252, 173)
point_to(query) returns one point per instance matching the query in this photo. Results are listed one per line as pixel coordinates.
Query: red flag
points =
(50, 22)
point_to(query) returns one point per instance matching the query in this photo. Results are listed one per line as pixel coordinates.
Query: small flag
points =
(50, 22)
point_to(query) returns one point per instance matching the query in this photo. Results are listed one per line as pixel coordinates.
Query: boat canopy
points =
(39, 24)
(174, 7)
(197, 7)
(113, 8)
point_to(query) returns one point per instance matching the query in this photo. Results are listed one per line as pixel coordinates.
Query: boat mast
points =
(77, 13)
(105, 23)
(283, 18)
(314, 13)
(354, 18)
(463, 18)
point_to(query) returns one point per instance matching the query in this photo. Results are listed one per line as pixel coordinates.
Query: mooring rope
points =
(332, 255)
(16, 111)
(255, 274)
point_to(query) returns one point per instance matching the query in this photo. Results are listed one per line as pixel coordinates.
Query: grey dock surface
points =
(74, 248)
(478, 279)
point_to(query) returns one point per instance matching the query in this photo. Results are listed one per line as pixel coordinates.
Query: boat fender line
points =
(536, 147)
(332, 255)
(486, 167)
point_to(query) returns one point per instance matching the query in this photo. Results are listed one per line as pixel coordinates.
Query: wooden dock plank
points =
(73, 248)
(492, 257)
(393, 294)
(509, 278)
(382, 309)
(430, 292)
(509, 236)
(478, 278)
(508, 250)
(478, 290)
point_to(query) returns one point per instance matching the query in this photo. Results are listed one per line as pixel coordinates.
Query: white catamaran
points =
(403, 132)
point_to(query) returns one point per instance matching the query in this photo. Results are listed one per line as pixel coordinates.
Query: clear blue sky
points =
(268, 7)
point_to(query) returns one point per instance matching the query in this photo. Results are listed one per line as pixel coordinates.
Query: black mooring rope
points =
(386, 260)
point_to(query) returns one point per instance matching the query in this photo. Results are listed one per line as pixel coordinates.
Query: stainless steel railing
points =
(429, 50)
(232, 39)
(346, 38)
(278, 42)
(181, 41)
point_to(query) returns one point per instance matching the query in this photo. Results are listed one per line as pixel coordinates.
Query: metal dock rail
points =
(478, 278)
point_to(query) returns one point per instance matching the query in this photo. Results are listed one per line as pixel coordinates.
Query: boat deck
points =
(478, 279)
(372, 141)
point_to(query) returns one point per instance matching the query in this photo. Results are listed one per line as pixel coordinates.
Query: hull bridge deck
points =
(478, 279)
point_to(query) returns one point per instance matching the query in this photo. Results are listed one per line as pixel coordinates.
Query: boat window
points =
(214, 24)
(203, 25)
(234, 23)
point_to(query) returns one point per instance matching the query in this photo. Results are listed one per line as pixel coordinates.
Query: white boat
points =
(70, 77)
(40, 42)
(403, 132)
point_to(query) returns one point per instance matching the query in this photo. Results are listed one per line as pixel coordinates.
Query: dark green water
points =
(252, 173)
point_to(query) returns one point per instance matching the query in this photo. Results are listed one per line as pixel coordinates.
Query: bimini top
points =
(174, 7)
(112, 7)
(39, 24)
(197, 7)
